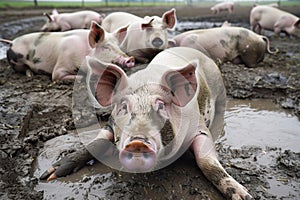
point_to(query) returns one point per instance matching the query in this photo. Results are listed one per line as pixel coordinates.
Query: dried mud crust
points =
(34, 110)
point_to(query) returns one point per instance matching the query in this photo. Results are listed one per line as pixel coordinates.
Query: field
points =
(36, 116)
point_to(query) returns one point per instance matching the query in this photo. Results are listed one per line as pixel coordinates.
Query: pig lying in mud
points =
(274, 19)
(143, 37)
(62, 53)
(69, 21)
(234, 44)
(181, 87)
(224, 6)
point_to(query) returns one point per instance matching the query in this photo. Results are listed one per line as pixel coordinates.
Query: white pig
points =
(181, 87)
(62, 53)
(68, 21)
(234, 44)
(274, 19)
(224, 6)
(143, 37)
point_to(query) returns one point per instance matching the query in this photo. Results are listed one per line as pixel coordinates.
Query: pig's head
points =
(51, 24)
(150, 34)
(156, 29)
(142, 106)
(295, 29)
(105, 47)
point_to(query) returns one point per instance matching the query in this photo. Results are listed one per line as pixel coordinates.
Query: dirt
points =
(35, 109)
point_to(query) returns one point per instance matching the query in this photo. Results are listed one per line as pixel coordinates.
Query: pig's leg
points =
(76, 160)
(206, 157)
(61, 73)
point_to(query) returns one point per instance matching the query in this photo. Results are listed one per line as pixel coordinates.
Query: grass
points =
(21, 4)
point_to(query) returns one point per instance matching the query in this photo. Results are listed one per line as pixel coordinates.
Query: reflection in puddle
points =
(260, 123)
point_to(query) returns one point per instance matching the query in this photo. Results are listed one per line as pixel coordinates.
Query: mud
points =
(36, 113)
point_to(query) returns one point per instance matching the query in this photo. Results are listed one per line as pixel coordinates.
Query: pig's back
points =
(117, 20)
(267, 16)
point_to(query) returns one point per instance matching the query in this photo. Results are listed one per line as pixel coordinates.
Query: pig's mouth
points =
(138, 155)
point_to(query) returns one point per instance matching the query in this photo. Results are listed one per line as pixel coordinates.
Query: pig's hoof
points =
(63, 167)
(234, 190)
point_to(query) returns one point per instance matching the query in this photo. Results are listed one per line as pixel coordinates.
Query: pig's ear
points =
(169, 18)
(121, 33)
(54, 12)
(297, 24)
(182, 83)
(171, 43)
(96, 34)
(110, 79)
(48, 16)
(147, 24)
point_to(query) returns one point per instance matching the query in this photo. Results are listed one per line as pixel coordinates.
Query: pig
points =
(62, 53)
(224, 6)
(234, 44)
(275, 5)
(143, 37)
(274, 19)
(182, 88)
(70, 21)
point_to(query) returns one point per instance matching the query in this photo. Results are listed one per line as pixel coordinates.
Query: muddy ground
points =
(35, 110)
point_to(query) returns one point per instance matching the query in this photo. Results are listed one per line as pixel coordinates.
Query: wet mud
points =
(37, 126)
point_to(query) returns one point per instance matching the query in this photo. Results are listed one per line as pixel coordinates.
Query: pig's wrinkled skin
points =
(224, 6)
(62, 53)
(182, 87)
(274, 19)
(69, 21)
(143, 37)
(234, 44)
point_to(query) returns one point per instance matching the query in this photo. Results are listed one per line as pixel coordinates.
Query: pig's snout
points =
(125, 61)
(157, 42)
(129, 62)
(138, 155)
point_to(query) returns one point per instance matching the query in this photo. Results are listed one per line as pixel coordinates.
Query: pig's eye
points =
(123, 108)
(160, 107)
(106, 47)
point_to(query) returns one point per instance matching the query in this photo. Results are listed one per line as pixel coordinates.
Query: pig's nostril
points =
(128, 155)
(146, 155)
(130, 62)
(157, 42)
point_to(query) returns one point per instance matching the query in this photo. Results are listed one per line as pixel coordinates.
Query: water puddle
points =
(261, 123)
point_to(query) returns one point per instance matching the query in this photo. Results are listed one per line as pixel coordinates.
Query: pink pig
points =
(69, 21)
(225, 6)
(62, 53)
(274, 19)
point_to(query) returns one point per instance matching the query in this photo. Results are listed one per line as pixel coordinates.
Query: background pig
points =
(225, 6)
(143, 37)
(181, 87)
(234, 44)
(274, 19)
(61, 53)
(68, 21)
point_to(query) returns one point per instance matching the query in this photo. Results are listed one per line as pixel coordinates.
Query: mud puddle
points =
(260, 122)
(256, 131)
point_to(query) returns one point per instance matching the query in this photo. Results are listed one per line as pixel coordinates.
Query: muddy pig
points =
(181, 87)
(234, 44)
(224, 6)
(62, 53)
(69, 21)
(274, 19)
(143, 37)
